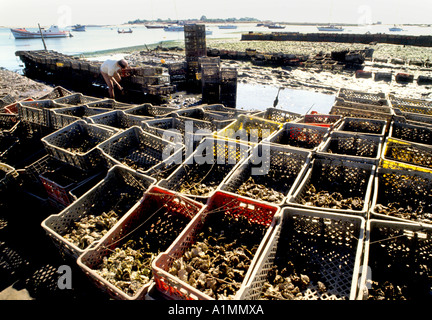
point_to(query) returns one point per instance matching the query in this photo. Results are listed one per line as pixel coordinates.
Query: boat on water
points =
(154, 26)
(51, 32)
(124, 31)
(78, 27)
(227, 26)
(275, 26)
(395, 28)
(174, 28)
(331, 28)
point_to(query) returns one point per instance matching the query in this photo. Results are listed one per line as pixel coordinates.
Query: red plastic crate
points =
(256, 212)
(12, 108)
(154, 199)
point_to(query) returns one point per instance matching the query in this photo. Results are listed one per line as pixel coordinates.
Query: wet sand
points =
(322, 81)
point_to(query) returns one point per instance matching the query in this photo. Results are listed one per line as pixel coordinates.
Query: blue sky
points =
(29, 12)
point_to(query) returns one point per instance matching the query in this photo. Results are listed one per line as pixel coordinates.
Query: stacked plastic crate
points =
(195, 47)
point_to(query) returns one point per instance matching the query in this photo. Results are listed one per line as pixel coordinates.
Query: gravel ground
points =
(20, 87)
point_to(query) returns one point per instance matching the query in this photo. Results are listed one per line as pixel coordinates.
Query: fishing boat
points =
(330, 28)
(227, 26)
(395, 28)
(78, 27)
(174, 28)
(154, 26)
(52, 32)
(275, 26)
(124, 31)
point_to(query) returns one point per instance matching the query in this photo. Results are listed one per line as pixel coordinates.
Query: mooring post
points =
(43, 40)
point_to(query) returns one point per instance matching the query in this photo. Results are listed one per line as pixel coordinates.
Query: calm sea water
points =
(106, 38)
(257, 97)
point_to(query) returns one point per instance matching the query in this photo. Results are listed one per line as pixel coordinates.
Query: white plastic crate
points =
(396, 253)
(339, 175)
(211, 162)
(417, 133)
(278, 115)
(249, 129)
(403, 194)
(177, 130)
(362, 125)
(299, 135)
(378, 99)
(103, 197)
(156, 203)
(330, 245)
(140, 150)
(352, 145)
(276, 167)
(58, 144)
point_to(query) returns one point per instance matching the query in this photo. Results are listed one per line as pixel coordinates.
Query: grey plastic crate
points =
(116, 119)
(75, 99)
(9, 123)
(350, 182)
(299, 135)
(212, 161)
(148, 111)
(325, 247)
(121, 191)
(276, 168)
(62, 143)
(362, 125)
(397, 256)
(363, 106)
(37, 112)
(140, 150)
(402, 195)
(220, 108)
(8, 175)
(63, 117)
(355, 146)
(109, 104)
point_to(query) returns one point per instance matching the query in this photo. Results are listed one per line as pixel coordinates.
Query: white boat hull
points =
(24, 34)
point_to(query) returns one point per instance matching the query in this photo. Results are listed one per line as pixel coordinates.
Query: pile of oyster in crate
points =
(203, 182)
(128, 267)
(218, 261)
(91, 228)
(252, 188)
(333, 200)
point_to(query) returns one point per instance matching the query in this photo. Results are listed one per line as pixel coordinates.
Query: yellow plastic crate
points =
(414, 154)
(249, 129)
